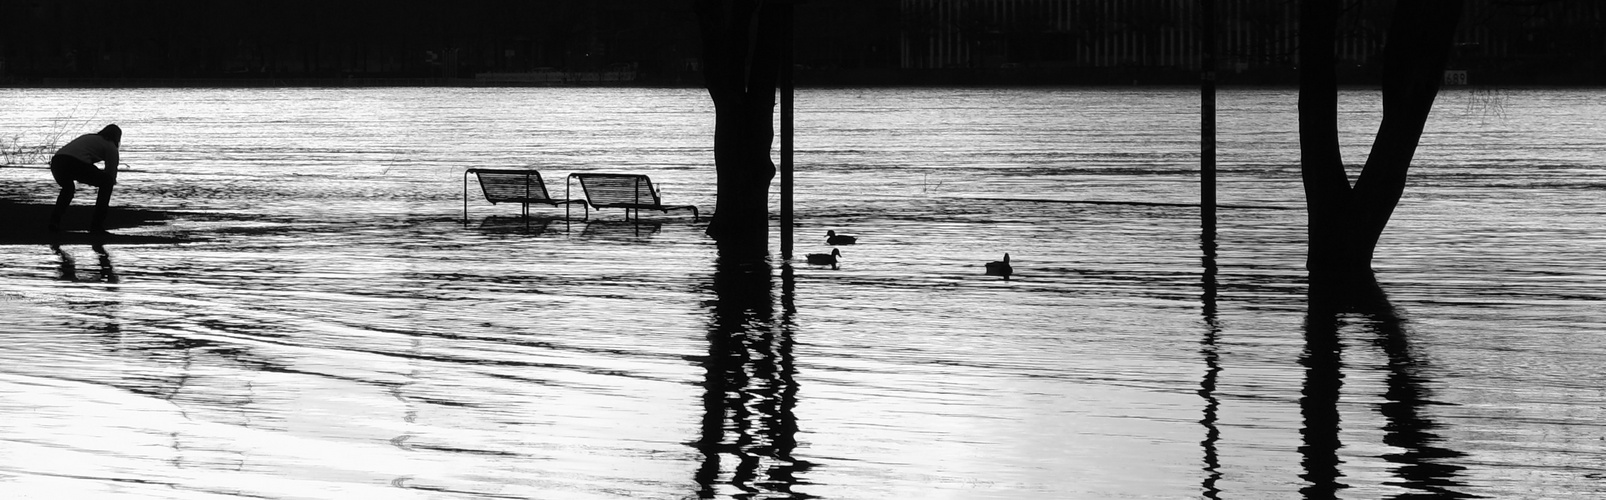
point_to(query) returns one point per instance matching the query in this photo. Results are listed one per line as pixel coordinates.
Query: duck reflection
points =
(749, 430)
(1418, 467)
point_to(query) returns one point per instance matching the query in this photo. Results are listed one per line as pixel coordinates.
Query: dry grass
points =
(19, 150)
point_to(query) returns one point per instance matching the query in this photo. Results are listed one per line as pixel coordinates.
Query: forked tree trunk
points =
(1346, 222)
(741, 68)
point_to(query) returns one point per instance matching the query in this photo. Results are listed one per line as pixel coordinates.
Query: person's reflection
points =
(749, 386)
(67, 270)
(1419, 467)
(108, 274)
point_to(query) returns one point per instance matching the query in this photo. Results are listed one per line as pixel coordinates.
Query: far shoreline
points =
(888, 81)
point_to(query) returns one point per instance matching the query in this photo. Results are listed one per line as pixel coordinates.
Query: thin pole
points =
(786, 130)
(1207, 125)
(1207, 243)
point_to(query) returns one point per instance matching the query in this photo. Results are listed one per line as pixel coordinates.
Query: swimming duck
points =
(1000, 268)
(832, 238)
(825, 259)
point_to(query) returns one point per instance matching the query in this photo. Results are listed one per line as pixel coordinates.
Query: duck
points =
(1000, 267)
(825, 259)
(832, 238)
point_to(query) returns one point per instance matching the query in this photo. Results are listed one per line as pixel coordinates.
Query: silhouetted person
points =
(75, 162)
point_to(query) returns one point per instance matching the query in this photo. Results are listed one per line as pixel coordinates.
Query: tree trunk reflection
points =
(749, 430)
(1363, 307)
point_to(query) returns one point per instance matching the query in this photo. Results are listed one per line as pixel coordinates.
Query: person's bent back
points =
(75, 162)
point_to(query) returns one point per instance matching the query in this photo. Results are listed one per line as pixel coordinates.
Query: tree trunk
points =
(740, 68)
(1346, 223)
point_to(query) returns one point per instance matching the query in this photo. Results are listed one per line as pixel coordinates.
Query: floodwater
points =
(340, 331)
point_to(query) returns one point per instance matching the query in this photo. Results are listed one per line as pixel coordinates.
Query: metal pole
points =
(1207, 125)
(786, 130)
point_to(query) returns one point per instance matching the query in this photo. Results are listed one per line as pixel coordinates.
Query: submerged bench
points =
(520, 186)
(632, 192)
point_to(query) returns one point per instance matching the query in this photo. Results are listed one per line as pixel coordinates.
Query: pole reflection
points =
(1419, 468)
(1212, 359)
(749, 430)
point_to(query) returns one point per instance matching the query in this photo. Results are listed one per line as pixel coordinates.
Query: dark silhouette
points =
(75, 162)
(1345, 222)
(824, 259)
(750, 389)
(1207, 116)
(1000, 267)
(741, 69)
(1419, 468)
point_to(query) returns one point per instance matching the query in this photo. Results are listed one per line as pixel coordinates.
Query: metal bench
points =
(632, 192)
(520, 186)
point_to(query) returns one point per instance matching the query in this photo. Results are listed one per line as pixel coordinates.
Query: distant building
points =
(1500, 39)
(854, 41)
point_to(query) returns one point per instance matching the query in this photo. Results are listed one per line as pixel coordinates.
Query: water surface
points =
(340, 331)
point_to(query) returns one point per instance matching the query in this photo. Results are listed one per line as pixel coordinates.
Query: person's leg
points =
(103, 202)
(63, 174)
(62, 200)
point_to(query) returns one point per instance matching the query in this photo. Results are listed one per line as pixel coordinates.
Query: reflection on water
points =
(69, 265)
(1318, 404)
(1211, 352)
(344, 332)
(627, 230)
(532, 226)
(1425, 464)
(750, 387)
(1364, 312)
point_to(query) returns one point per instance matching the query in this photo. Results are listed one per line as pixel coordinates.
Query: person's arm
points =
(111, 162)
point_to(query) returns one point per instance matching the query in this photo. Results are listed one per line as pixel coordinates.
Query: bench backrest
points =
(618, 190)
(511, 185)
